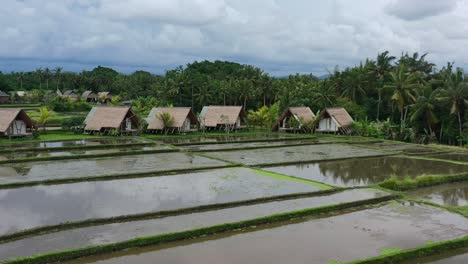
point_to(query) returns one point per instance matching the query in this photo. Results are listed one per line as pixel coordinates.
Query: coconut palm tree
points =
(403, 84)
(44, 116)
(47, 74)
(426, 99)
(455, 91)
(58, 75)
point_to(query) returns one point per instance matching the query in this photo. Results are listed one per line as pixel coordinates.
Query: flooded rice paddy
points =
(223, 138)
(400, 147)
(45, 205)
(366, 171)
(71, 143)
(247, 145)
(110, 233)
(295, 154)
(462, 157)
(453, 194)
(343, 237)
(49, 170)
(75, 152)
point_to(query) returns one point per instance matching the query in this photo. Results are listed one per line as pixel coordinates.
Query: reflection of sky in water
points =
(68, 143)
(42, 205)
(358, 172)
(101, 166)
(294, 154)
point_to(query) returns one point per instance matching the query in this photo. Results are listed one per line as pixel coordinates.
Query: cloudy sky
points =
(280, 36)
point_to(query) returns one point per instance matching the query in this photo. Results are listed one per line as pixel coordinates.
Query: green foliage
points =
(44, 116)
(421, 181)
(264, 117)
(60, 105)
(72, 122)
(389, 251)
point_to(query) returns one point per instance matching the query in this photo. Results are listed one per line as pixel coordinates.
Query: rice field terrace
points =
(241, 198)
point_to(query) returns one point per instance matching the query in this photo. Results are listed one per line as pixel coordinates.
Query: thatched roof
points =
(108, 117)
(88, 94)
(2, 94)
(211, 116)
(339, 114)
(70, 93)
(8, 115)
(300, 113)
(179, 114)
(104, 94)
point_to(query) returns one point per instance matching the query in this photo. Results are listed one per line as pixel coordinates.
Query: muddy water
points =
(71, 143)
(224, 138)
(395, 146)
(360, 172)
(109, 233)
(294, 154)
(39, 154)
(247, 145)
(463, 157)
(45, 205)
(34, 171)
(454, 194)
(339, 238)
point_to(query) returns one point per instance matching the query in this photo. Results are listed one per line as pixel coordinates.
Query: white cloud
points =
(280, 36)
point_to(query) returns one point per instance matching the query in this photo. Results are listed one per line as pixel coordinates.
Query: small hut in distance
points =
(295, 119)
(334, 120)
(104, 97)
(177, 120)
(15, 122)
(227, 118)
(110, 120)
(89, 97)
(71, 95)
(4, 97)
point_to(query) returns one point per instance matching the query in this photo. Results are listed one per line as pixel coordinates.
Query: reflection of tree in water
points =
(373, 170)
(455, 197)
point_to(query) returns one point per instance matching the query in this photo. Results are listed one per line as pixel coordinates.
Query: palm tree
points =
(403, 84)
(425, 105)
(58, 75)
(44, 115)
(39, 75)
(456, 92)
(20, 78)
(47, 75)
(167, 120)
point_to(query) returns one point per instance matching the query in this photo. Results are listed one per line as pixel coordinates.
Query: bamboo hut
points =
(4, 97)
(182, 120)
(71, 95)
(227, 118)
(295, 119)
(15, 122)
(104, 97)
(110, 120)
(334, 120)
(89, 97)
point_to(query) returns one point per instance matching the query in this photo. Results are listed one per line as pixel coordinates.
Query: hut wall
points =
(327, 124)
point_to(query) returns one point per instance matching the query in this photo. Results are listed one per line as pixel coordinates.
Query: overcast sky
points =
(280, 36)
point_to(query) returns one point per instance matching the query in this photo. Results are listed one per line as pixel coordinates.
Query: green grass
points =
(461, 210)
(430, 249)
(421, 181)
(56, 118)
(290, 178)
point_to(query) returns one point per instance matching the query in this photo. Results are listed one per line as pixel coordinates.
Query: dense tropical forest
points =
(404, 98)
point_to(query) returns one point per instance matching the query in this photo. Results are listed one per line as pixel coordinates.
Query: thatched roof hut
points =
(334, 120)
(183, 119)
(89, 96)
(104, 97)
(4, 97)
(14, 122)
(232, 117)
(301, 115)
(110, 119)
(70, 94)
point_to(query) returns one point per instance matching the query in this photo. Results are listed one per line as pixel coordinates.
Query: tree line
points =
(406, 92)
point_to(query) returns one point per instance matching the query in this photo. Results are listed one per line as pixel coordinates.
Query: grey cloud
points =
(419, 9)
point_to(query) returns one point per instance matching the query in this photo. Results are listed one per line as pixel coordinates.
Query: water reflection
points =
(359, 172)
(454, 194)
(42, 205)
(70, 143)
(30, 171)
